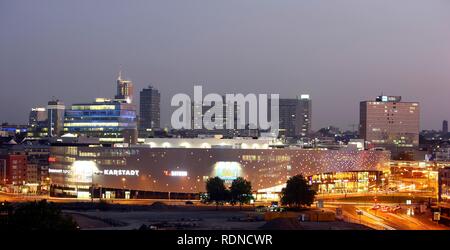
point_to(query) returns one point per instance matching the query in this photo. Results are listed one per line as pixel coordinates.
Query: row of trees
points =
(296, 194)
(240, 191)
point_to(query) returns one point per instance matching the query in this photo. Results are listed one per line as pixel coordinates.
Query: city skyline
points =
(236, 118)
(54, 52)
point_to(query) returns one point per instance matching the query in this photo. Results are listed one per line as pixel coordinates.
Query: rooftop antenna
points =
(120, 72)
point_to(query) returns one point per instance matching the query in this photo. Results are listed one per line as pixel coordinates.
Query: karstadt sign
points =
(121, 172)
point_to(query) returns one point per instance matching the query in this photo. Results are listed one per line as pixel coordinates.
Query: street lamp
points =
(48, 185)
(123, 186)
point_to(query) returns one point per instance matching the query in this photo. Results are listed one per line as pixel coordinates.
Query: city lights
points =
(245, 116)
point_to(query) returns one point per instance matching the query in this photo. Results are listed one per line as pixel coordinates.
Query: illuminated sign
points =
(175, 173)
(178, 173)
(121, 172)
(51, 159)
(58, 171)
(304, 97)
(385, 98)
(227, 170)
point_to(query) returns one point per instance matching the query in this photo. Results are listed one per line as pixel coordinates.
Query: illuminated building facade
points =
(304, 115)
(388, 122)
(347, 182)
(414, 176)
(24, 167)
(442, 153)
(186, 169)
(38, 157)
(37, 115)
(236, 143)
(55, 116)
(37, 123)
(444, 184)
(12, 130)
(124, 89)
(108, 120)
(13, 168)
(443, 205)
(200, 110)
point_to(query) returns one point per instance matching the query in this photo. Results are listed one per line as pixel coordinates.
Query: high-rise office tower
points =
(55, 117)
(149, 110)
(445, 127)
(124, 89)
(295, 116)
(304, 115)
(37, 123)
(288, 115)
(200, 110)
(388, 122)
(37, 115)
(200, 125)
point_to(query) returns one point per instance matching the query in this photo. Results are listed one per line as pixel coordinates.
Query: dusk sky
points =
(340, 52)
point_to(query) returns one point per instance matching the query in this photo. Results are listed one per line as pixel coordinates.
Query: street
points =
(404, 219)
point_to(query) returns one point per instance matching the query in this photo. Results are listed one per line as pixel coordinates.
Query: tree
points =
(297, 192)
(40, 216)
(241, 191)
(217, 192)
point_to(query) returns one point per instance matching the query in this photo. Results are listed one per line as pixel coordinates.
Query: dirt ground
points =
(180, 218)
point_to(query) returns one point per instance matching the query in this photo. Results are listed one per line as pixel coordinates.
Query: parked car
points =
(261, 208)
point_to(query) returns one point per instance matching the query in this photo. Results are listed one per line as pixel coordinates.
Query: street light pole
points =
(123, 187)
(4, 171)
(92, 188)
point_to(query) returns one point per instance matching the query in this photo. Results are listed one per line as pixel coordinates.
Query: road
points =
(403, 219)
(24, 198)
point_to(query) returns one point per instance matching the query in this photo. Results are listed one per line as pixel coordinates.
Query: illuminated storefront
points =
(444, 184)
(414, 176)
(347, 182)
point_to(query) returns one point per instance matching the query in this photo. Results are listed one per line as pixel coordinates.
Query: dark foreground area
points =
(43, 215)
(115, 226)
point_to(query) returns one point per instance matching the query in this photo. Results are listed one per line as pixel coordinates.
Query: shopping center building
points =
(183, 165)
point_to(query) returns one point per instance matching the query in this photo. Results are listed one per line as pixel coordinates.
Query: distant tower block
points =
(124, 89)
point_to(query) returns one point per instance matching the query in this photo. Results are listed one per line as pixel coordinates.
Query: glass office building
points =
(106, 119)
